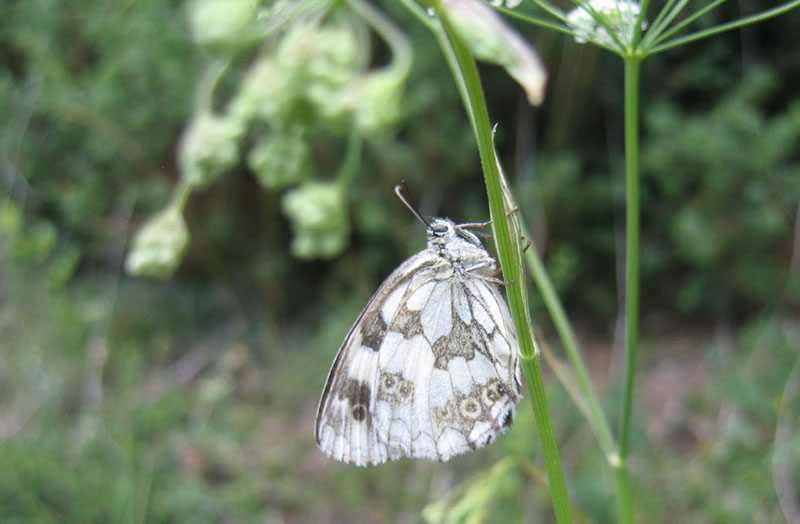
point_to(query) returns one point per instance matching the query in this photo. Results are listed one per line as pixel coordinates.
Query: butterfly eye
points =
(439, 228)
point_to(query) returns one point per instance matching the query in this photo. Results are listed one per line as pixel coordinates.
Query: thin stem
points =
(420, 13)
(660, 25)
(725, 27)
(688, 20)
(550, 8)
(397, 41)
(624, 492)
(594, 411)
(352, 160)
(205, 91)
(656, 25)
(533, 20)
(180, 195)
(631, 246)
(512, 271)
(637, 32)
(441, 38)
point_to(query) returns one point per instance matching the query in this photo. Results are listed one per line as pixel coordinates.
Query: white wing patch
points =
(430, 368)
(436, 317)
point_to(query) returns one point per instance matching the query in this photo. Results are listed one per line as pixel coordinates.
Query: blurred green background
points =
(192, 399)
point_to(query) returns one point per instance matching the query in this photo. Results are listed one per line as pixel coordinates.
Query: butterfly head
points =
(443, 230)
(457, 243)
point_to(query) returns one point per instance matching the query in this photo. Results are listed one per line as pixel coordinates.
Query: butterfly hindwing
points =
(428, 370)
(341, 431)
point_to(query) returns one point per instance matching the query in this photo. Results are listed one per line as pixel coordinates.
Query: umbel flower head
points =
(620, 15)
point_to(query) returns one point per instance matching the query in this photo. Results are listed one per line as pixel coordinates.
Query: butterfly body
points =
(430, 367)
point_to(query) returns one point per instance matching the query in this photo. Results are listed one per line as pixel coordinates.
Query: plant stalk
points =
(512, 272)
(632, 248)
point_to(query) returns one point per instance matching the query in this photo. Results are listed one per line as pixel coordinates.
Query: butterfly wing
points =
(449, 385)
(429, 369)
(345, 429)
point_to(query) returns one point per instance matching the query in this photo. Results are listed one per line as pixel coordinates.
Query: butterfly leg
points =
(484, 224)
(487, 278)
(473, 225)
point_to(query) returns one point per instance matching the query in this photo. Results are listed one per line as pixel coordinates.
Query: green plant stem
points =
(659, 37)
(533, 20)
(352, 160)
(550, 8)
(632, 245)
(665, 17)
(394, 37)
(447, 49)
(624, 492)
(594, 411)
(512, 271)
(725, 27)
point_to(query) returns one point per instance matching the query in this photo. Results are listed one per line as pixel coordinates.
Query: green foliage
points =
(92, 96)
(309, 82)
(720, 192)
(479, 499)
(192, 400)
(726, 438)
(726, 186)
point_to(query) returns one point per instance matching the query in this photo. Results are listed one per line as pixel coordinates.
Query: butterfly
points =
(430, 368)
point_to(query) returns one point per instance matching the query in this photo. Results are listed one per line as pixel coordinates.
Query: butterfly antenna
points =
(399, 189)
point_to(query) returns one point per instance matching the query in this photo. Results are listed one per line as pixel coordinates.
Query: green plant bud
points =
(324, 54)
(377, 105)
(208, 148)
(318, 213)
(280, 160)
(159, 246)
(321, 62)
(223, 25)
(264, 94)
(490, 39)
(621, 16)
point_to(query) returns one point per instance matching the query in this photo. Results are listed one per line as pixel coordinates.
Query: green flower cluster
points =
(309, 77)
(318, 213)
(159, 246)
(281, 160)
(209, 147)
(223, 25)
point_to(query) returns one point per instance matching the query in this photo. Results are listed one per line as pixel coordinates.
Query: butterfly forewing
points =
(430, 368)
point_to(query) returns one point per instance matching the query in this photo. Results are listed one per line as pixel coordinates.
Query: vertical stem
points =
(631, 246)
(512, 271)
(594, 411)
(622, 474)
(624, 494)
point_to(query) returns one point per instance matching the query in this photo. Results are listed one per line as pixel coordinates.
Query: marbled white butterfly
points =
(430, 367)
